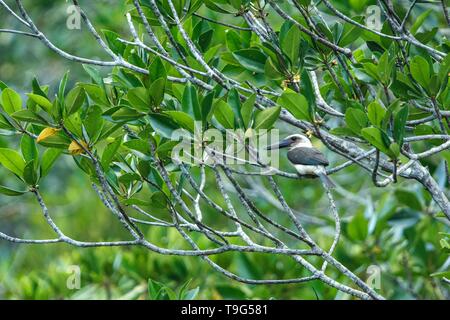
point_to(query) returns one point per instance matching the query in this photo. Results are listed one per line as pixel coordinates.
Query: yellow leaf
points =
(76, 149)
(46, 133)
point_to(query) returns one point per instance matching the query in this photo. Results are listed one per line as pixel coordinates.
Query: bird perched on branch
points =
(307, 160)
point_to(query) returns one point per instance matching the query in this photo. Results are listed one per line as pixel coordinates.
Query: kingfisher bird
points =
(307, 160)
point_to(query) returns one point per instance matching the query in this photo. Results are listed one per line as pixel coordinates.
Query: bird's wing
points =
(307, 156)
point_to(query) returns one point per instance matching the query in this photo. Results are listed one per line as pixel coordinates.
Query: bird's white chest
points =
(308, 170)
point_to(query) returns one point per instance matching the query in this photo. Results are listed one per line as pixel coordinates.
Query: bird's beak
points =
(280, 145)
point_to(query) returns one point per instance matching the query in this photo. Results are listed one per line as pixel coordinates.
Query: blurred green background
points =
(391, 229)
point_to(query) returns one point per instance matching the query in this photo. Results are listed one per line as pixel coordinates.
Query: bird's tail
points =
(327, 181)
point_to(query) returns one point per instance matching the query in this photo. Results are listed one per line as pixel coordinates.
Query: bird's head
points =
(295, 140)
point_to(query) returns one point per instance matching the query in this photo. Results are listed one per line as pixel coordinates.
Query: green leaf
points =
(29, 116)
(391, 110)
(183, 119)
(109, 129)
(155, 289)
(356, 120)
(304, 2)
(224, 114)
(358, 228)
(41, 101)
(247, 110)
(96, 93)
(6, 123)
(394, 149)
(419, 21)
(291, 44)
(435, 85)
(351, 32)
(408, 199)
(371, 70)
(400, 124)
(190, 104)
(377, 138)
(29, 149)
(85, 165)
(113, 43)
(110, 152)
(48, 160)
(30, 174)
(376, 113)
(74, 100)
(251, 59)
(11, 101)
(445, 274)
(343, 131)
(3, 85)
(126, 114)
(138, 145)
(235, 103)
(93, 122)
(74, 124)
(444, 70)
(159, 200)
(139, 99)
(266, 119)
(233, 41)
(215, 7)
(445, 245)
(11, 192)
(307, 89)
(157, 70)
(420, 71)
(157, 90)
(163, 125)
(38, 89)
(202, 35)
(94, 74)
(296, 104)
(385, 67)
(12, 161)
(271, 71)
(207, 107)
(58, 141)
(62, 87)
